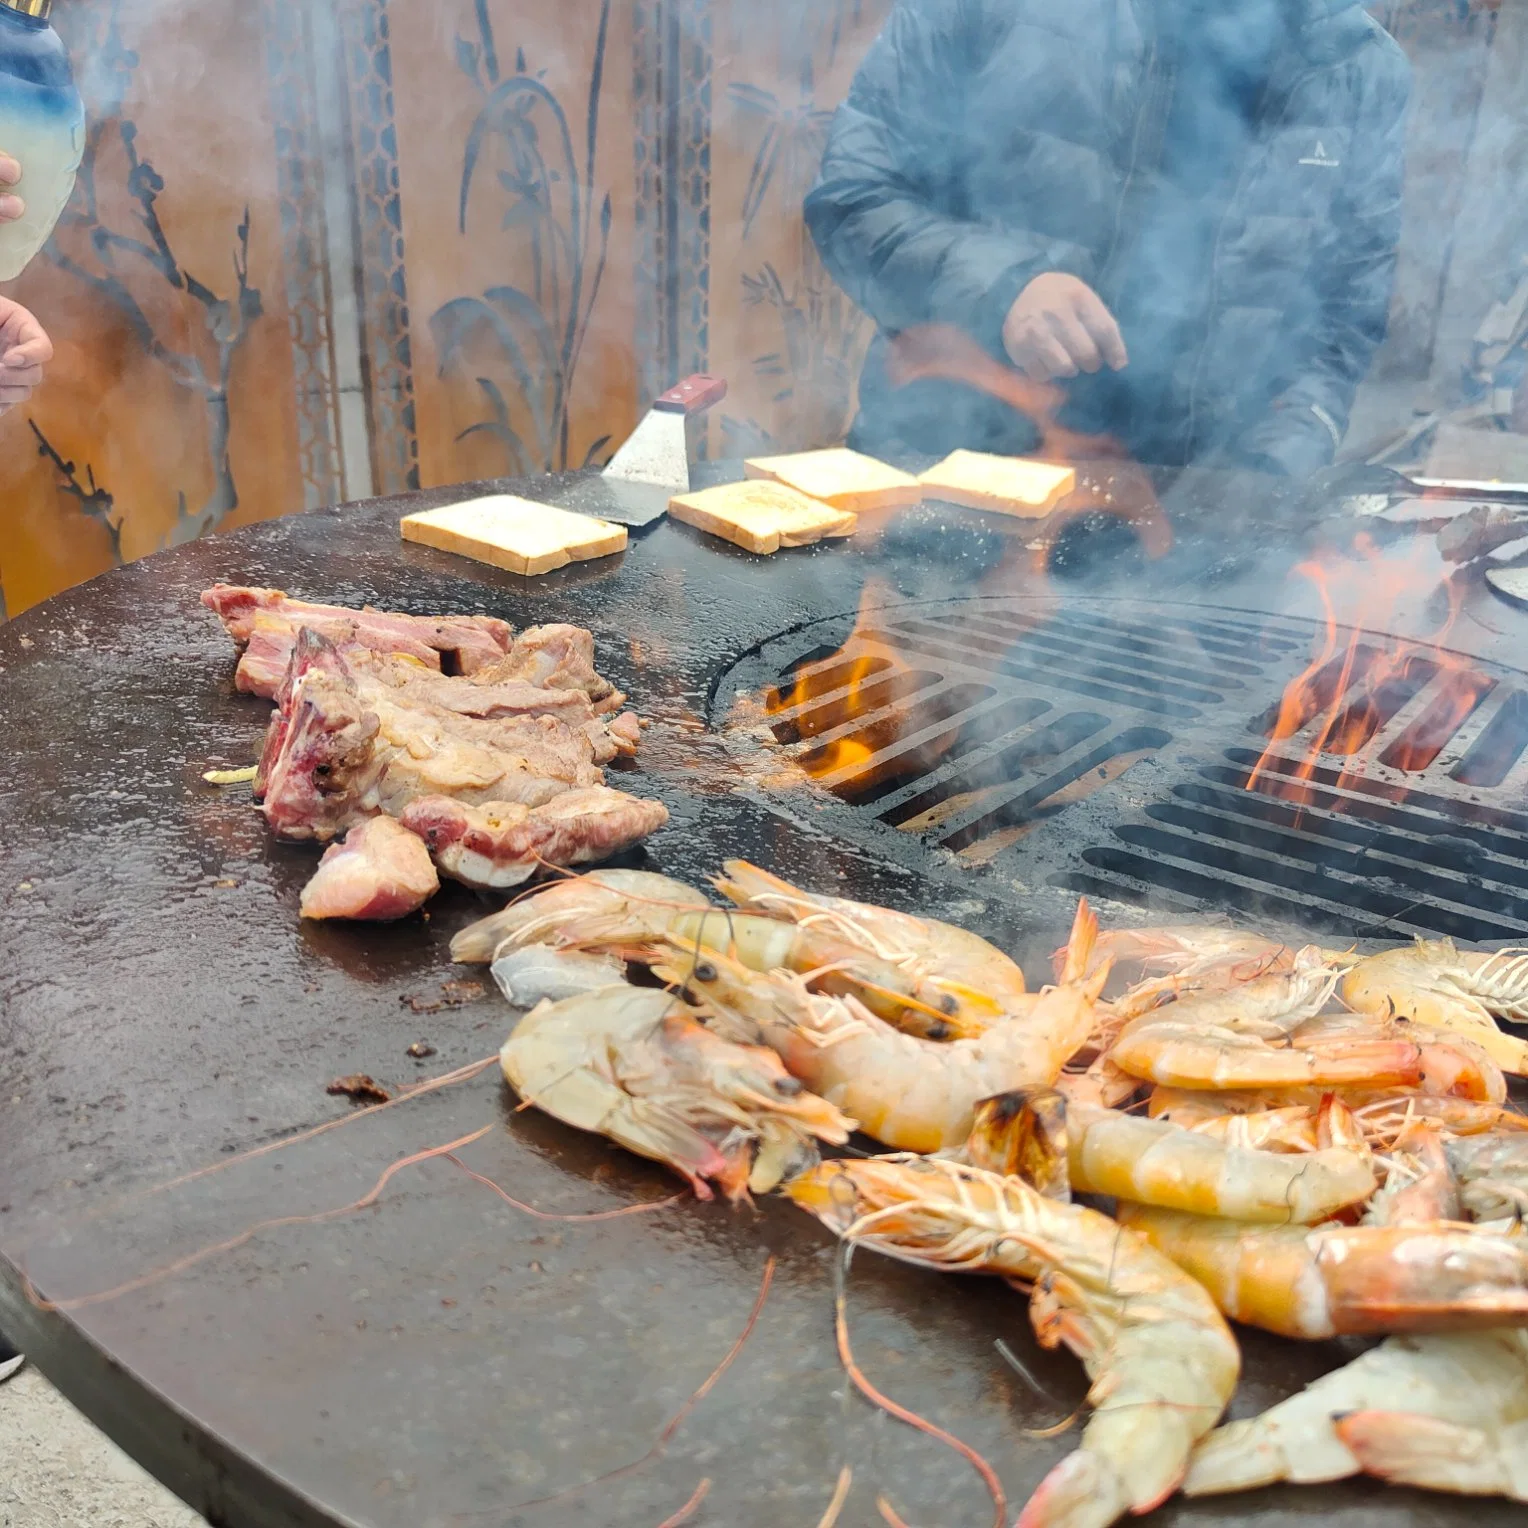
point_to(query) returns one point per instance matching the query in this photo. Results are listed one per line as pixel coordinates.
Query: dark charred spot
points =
(1005, 1108)
(323, 769)
(949, 1005)
(939, 1031)
(789, 1087)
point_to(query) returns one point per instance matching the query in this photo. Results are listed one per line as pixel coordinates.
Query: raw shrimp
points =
(1194, 948)
(621, 896)
(1382, 1115)
(1345, 1281)
(635, 1064)
(1440, 1455)
(1475, 1380)
(1432, 982)
(1153, 1162)
(910, 1094)
(956, 961)
(1240, 1038)
(1162, 1361)
(1419, 1184)
(536, 973)
(628, 912)
(1492, 1171)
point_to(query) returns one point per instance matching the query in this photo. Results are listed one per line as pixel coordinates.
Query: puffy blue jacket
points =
(987, 141)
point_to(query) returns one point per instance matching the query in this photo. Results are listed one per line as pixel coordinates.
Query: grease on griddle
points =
(360, 1089)
(421, 1050)
(454, 994)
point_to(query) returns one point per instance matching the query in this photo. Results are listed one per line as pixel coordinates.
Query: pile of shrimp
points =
(1187, 1127)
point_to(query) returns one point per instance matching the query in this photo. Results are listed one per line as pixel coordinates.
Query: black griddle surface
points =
(442, 1358)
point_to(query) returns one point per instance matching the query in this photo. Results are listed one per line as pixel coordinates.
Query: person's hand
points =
(1060, 326)
(11, 205)
(24, 350)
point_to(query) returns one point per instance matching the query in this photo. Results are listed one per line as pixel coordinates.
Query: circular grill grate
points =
(1121, 748)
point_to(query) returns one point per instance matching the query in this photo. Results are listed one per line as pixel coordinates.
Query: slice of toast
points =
(840, 477)
(515, 534)
(761, 516)
(1007, 485)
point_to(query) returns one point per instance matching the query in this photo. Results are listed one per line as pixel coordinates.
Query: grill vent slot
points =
(1146, 754)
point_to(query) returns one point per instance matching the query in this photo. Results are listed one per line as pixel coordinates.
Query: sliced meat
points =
(321, 765)
(495, 847)
(414, 684)
(555, 658)
(381, 873)
(338, 752)
(467, 644)
(273, 638)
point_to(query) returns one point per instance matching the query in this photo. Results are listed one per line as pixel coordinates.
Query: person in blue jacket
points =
(24, 350)
(1185, 212)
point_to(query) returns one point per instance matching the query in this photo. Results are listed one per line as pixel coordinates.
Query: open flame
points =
(1357, 685)
(854, 699)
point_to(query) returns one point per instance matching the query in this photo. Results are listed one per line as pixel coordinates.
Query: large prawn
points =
(1162, 1361)
(629, 912)
(1151, 1161)
(1434, 983)
(910, 1094)
(984, 980)
(1330, 1281)
(636, 1065)
(1476, 1383)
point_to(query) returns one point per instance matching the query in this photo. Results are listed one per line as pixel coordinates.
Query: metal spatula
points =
(654, 464)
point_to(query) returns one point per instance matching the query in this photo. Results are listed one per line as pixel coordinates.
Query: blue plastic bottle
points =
(42, 126)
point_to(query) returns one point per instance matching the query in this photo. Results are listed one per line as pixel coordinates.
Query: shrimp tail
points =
(1079, 948)
(1083, 1491)
(1024, 1135)
(1407, 1449)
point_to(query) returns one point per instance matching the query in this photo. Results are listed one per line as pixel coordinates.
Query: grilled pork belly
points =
(499, 845)
(381, 873)
(265, 622)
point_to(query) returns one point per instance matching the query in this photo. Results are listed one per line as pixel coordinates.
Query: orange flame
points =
(851, 699)
(1358, 682)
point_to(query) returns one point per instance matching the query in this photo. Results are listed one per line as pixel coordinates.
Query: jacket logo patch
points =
(1321, 159)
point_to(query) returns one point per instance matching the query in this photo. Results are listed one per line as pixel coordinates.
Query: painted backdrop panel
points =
(168, 411)
(788, 341)
(514, 138)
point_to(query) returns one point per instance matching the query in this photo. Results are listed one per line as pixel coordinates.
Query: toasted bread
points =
(840, 477)
(761, 516)
(515, 534)
(1007, 485)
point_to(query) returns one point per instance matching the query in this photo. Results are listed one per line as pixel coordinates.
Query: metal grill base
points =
(1121, 748)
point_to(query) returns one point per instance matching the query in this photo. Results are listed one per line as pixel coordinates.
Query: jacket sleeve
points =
(893, 168)
(1306, 425)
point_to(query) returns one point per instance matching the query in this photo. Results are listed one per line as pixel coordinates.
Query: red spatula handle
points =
(693, 396)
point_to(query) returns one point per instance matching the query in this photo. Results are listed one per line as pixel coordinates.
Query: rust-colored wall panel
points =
(789, 342)
(520, 259)
(135, 395)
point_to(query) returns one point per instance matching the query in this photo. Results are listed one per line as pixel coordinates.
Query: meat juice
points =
(42, 127)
